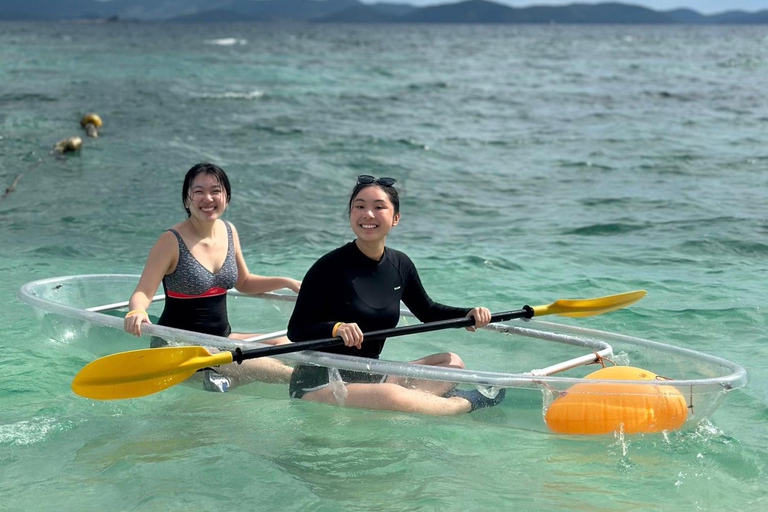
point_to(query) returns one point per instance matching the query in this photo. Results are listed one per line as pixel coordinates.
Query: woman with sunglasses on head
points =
(357, 288)
(197, 261)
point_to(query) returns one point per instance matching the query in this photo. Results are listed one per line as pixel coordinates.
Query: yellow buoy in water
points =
(91, 123)
(68, 145)
(606, 407)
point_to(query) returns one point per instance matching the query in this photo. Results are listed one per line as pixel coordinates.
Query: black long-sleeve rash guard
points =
(347, 286)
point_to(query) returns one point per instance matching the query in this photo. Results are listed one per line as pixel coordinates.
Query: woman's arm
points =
(162, 258)
(417, 300)
(252, 283)
(313, 316)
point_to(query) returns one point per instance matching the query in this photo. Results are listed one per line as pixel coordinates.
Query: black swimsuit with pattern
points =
(195, 297)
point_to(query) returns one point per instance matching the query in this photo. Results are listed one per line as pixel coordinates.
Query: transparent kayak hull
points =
(552, 360)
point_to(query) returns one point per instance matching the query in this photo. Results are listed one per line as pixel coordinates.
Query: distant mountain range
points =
(353, 11)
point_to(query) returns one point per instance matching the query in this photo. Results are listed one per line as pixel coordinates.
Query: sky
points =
(703, 6)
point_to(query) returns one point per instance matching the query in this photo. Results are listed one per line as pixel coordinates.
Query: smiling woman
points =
(357, 288)
(197, 261)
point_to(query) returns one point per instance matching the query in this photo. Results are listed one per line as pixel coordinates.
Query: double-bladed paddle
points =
(143, 372)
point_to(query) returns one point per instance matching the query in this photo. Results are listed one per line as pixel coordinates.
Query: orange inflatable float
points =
(606, 407)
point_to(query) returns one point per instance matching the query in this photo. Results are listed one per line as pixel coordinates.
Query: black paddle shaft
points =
(240, 355)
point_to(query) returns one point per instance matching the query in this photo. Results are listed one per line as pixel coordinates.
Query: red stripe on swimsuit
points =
(211, 292)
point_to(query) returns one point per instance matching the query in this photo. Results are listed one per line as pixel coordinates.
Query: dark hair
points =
(390, 190)
(210, 169)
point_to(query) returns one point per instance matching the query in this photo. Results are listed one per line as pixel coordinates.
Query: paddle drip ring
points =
(237, 356)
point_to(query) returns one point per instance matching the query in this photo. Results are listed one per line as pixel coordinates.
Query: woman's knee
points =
(455, 361)
(448, 359)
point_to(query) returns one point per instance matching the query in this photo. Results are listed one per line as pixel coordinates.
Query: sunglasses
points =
(365, 179)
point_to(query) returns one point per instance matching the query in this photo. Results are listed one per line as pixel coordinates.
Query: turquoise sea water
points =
(534, 163)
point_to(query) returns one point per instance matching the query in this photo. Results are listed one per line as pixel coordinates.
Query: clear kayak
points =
(645, 386)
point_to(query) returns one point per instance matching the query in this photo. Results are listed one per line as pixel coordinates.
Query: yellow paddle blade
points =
(143, 372)
(589, 307)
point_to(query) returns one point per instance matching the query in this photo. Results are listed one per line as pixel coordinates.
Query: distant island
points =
(353, 11)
